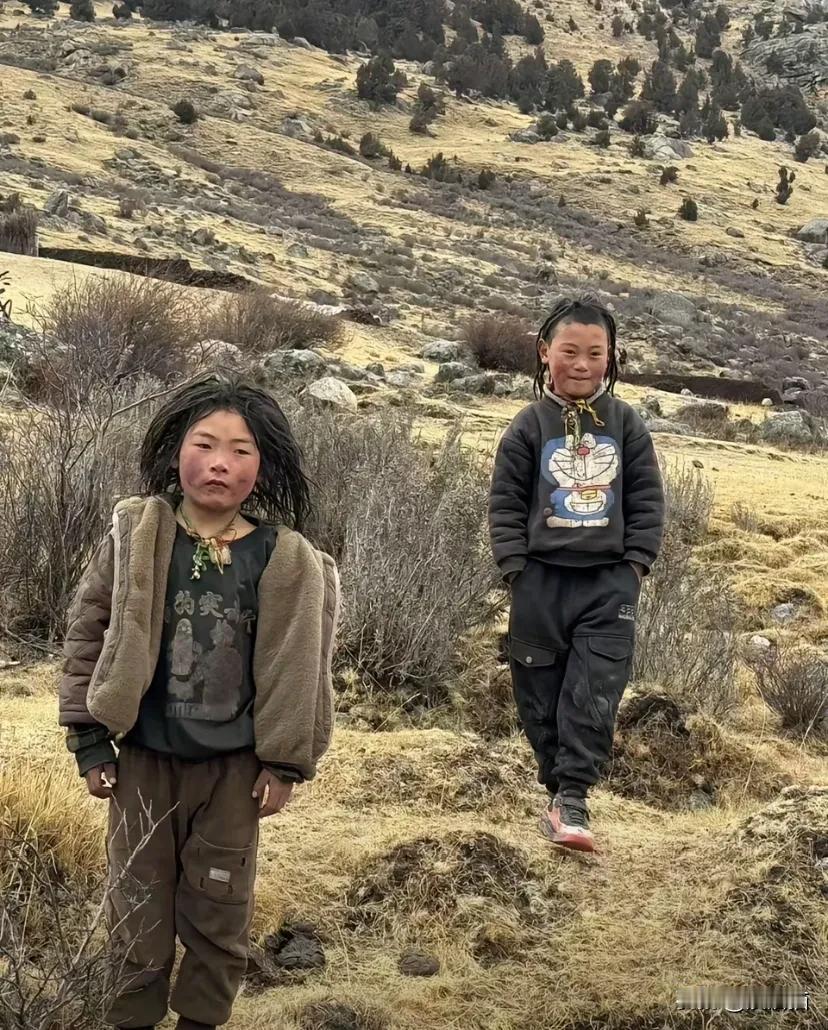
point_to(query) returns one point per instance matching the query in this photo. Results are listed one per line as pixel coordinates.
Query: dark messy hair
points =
(282, 492)
(584, 309)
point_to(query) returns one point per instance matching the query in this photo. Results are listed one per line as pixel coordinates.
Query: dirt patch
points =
(174, 270)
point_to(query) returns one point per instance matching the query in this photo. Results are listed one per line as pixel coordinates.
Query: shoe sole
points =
(575, 843)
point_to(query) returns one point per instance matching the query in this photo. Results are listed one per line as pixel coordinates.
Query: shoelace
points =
(574, 811)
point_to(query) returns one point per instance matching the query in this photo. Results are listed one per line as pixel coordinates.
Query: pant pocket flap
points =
(616, 648)
(223, 873)
(532, 655)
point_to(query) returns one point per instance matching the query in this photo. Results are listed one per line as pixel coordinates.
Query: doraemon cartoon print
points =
(582, 473)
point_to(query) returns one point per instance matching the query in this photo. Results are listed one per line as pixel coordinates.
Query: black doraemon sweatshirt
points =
(576, 484)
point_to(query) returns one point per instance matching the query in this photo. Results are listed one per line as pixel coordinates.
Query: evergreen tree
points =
(708, 36)
(563, 86)
(687, 98)
(755, 116)
(715, 126)
(722, 16)
(617, 27)
(379, 80)
(638, 118)
(690, 122)
(600, 76)
(44, 7)
(807, 146)
(533, 31)
(660, 87)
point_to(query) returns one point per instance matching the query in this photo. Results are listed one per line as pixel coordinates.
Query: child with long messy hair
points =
(199, 642)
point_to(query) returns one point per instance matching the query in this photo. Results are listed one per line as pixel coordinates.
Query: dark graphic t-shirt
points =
(200, 701)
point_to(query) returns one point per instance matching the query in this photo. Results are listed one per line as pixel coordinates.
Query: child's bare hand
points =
(101, 780)
(273, 793)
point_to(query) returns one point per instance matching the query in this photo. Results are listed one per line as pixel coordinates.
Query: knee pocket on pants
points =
(608, 662)
(532, 656)
(217, 872)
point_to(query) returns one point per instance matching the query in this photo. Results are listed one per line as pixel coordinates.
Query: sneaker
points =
(566, 822)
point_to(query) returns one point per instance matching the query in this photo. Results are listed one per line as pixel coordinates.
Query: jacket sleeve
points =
(86, 624)
(643, 497)
(510, 497)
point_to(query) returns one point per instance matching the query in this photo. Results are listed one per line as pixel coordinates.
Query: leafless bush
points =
(103, 332)
(259, 323)
(58, 962)
(18, 232)
(407, 527)
(793, 681)
(61, 470)
(687, 614)
(504, 343)
(743, 516)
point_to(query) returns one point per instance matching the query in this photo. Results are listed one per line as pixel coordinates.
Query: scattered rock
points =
(364, 283)
(442, 351)
(204, 237)
(663, 425)
(268, 39)
(699, 800)
(449, 371)
(734, 232)
(297, 250)
(528, 135)
(57, 204)
(94, 223)
(760, 643)
(306, 363)
(245, 73)
(417, 963)
(698, 464)
(815, 231)
(376, 368)
(296, 128)
(795, 383)
(767, 402)
(787, 427)
(300, 41)
(784, 612)
(331, 392)
(673, 309)
(686, 392)
(661, 148)
(8, 139)
(482, 383)
(652, 405)
(401, 379)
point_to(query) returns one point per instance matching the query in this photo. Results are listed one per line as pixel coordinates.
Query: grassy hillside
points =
(420, 832)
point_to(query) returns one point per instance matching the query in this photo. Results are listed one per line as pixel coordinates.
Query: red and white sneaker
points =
(566, 823)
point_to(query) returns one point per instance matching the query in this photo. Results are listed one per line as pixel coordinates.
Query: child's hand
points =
(273, 793)
(101, 780)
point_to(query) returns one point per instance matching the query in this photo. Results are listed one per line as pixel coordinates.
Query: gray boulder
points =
(57, 204)
(664, 425)
(674, 309)
(652, 405)
(442, 350)
(659, 147)
(815, 231)
(364, 283)
(788, 427)
(795, 383)
(246, 73)
(451, 370)
(306, 363)
(332, 393)
(483, 383)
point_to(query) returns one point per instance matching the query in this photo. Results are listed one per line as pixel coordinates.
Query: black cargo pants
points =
(572, 634)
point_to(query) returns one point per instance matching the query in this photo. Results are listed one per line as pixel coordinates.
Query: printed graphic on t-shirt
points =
(204, 656)
(582, 475)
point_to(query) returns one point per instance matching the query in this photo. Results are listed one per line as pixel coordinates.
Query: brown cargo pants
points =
(193, 878)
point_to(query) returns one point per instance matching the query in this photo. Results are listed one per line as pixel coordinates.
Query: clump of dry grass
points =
(426, 879)
(18, 231)
(333, 1014)
(259, 323)
(668, 757)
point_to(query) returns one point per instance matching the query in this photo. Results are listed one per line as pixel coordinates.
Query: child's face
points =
(218, 462)
(577, 358)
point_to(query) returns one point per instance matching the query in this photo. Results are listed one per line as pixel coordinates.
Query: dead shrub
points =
(331, 1014)
(503, 343)
(745, 517)
(687, 613)
(61, 470)
(59, 966)
(407, 527)
(793, 681)
(18, 232)
(103, 332)
(259, 323)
